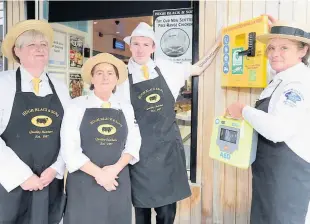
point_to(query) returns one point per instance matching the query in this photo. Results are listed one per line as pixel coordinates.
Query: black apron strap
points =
(130, 75)
(51, 84)
(259, 102)
(276, 87)
(130, 79)
(130, 86)
(18, 81)
(158, 71)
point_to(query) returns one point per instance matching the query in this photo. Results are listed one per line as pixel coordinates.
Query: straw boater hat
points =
(21, 27)
(104, 58)
(142, 30)
(287, 30)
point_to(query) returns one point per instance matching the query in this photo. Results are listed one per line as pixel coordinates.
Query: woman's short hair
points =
(26, 38)
(92, 87)
(302, 45)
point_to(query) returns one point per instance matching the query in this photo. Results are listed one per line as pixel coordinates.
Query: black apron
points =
(281, 182)
(160, 177)
(103, 137)
(33, 133)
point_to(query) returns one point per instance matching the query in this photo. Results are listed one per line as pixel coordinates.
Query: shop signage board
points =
(173, 31)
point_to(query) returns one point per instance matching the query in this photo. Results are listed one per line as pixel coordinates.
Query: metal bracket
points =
(250, 52)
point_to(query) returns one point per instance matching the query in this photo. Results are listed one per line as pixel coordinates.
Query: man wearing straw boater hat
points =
(31, 170)
(160, 179)
(281, 172)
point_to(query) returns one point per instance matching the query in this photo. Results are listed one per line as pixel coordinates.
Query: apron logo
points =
(106, 129)
(153, 98)
(41, 121)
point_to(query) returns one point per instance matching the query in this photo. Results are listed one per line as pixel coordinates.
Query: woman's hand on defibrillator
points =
(235, 110)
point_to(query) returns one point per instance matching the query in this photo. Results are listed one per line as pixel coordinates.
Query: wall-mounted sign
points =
(173, 31)
(57, 56)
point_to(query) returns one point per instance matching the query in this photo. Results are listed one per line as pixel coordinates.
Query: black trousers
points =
(164, 214)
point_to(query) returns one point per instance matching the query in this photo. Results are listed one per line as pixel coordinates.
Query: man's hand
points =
(48, 176)
(203, 64)
(33, 183)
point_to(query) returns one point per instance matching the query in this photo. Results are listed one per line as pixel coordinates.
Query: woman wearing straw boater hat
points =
(281, 172)
(160, 179)
(99, 139)
(31, 177)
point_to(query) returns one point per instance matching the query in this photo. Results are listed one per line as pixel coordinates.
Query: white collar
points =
(26, 76)
(134, 67)
(97, 102)
(291, 72)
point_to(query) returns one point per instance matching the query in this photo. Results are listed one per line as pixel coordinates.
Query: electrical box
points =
(244, 63)
(233, 142)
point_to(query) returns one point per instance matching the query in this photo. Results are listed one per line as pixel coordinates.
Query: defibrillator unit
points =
(233, 142)
(244, 63)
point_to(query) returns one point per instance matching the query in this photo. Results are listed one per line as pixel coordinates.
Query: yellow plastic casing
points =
(244, 71)
(240, 154)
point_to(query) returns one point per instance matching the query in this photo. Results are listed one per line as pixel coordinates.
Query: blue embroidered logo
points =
(292, 96)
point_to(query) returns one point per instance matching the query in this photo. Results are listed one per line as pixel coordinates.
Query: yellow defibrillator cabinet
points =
(233, 142)
(244, 63)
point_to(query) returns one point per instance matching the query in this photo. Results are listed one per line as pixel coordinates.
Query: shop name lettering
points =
(106, 141)
(155, 108)
(169, 13)
(41, 134)
(26, 112)
(174, 22)
(105, 119)
(149, 90)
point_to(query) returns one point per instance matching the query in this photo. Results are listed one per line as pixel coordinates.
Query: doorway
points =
(100, 26)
